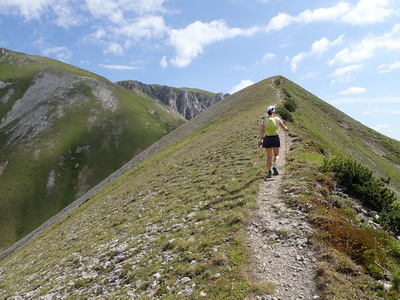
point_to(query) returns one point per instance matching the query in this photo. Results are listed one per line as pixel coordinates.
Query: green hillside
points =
(174, 225)
(338, 134)
(333, 153)
(62, 131)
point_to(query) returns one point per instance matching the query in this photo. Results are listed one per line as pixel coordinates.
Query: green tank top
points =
(271, 128)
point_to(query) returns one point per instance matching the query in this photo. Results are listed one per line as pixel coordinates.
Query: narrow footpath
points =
(281, 257)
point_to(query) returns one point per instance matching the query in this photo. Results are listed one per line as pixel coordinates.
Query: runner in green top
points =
(271, 129)
(269, 137)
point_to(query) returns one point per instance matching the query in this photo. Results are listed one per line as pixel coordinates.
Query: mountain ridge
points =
(173, 225)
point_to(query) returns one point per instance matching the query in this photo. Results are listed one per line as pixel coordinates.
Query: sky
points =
(346, 52)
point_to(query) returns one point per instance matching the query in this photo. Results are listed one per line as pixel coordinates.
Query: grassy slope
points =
(356, 254)
(190, 203)
(190, 200)
(337, 134)
(25, 201)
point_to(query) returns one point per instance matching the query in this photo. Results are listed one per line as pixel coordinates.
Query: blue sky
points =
(345, 52)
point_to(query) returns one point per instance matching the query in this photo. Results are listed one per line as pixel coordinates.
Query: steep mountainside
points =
(187, 102)
(63, 130)
(173, 226)
(335, 133)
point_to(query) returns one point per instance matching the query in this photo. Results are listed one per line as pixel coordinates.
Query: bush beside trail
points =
(373, 192)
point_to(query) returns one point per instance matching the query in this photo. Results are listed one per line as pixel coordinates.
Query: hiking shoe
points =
(269, 175)
(275, 170)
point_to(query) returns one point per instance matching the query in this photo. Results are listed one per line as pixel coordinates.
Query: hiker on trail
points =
(269, 138)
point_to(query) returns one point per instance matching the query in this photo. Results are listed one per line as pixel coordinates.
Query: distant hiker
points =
(269, 137)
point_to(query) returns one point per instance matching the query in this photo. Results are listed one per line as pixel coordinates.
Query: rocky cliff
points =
(187, 102)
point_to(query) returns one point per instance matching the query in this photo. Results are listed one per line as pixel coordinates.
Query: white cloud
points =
(346, 55)
(323, 45)
(118, 67)
(29, 9)
(66, 15)
(98, 35)
(268, 57)
(190, 41)
(240, 86)
(62, 12)
(106, 9)
(318, 48)
(116, 10)
(123, 22)
(367, 48)
(143, 7)
(163, 62)
(324, 14)
(279, 22)
(364, 12)
(61, 53)
(386, 68)
(353, 90)
(345, 74)
(114, 48)
(368, 12)
(112, 10)
(143, 27)
(296, 60)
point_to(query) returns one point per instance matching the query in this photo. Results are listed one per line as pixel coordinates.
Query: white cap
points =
(271, 108)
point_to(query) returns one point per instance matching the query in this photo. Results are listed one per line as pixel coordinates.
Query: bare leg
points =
(269, 158)
(276, 155)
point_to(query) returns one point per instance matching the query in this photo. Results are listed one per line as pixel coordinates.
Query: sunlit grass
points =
(182, 213)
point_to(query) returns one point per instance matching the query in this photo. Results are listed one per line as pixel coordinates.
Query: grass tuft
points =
(264, 287)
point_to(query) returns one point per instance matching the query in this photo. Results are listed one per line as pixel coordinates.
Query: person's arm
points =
(280, 123)
(262, 131)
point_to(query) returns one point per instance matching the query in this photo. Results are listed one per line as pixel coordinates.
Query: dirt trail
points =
(280, 252)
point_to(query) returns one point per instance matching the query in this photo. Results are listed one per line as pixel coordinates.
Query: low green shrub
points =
(285, 91)
(284, 113)
(360, 183)
(290, 104)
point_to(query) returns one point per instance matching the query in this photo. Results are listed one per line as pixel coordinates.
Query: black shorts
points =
(271, 141)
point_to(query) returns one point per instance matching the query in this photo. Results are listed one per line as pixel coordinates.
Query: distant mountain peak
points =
(187, 102)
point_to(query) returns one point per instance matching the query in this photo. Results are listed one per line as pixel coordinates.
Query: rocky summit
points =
(187, 102)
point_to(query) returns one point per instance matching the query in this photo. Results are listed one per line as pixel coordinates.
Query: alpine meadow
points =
(171, 224)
